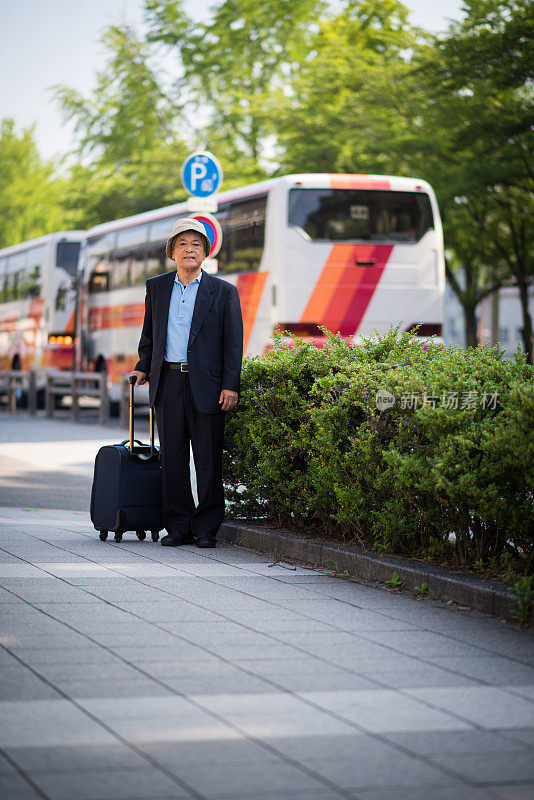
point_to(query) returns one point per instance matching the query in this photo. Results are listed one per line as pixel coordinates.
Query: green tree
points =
(30, 198)
(233, 62)
(344, 111)
(479, 79)
(129, 153)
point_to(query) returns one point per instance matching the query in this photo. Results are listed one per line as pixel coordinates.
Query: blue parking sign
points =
(201, 174)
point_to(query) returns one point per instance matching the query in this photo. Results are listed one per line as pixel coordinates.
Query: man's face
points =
(188, 251)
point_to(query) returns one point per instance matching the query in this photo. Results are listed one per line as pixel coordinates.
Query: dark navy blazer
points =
(215, 347)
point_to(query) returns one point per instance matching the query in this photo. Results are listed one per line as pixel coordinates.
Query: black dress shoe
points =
(176, 539)
(205, 540)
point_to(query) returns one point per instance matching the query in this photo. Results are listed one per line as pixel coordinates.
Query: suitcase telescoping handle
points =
(132, 380)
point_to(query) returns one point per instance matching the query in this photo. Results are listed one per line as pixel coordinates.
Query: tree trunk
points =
(470, 326)
(526, 330)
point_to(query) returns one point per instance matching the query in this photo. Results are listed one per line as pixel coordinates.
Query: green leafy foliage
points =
(310, 448)
(30, 199)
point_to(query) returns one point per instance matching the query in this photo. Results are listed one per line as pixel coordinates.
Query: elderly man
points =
(190, 350)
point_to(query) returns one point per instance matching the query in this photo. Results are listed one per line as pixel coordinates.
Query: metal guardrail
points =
(77, 385)
(15, 382)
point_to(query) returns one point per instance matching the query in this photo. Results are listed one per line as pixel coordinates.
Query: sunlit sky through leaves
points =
(57, 42)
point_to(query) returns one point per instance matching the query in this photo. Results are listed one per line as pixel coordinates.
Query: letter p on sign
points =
(198, 172)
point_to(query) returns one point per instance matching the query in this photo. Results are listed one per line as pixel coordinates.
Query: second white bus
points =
(353, 253)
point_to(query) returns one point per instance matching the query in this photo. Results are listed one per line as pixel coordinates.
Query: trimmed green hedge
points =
(309, 447)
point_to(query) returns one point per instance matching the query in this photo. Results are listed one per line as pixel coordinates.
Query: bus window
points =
(98, 278)
(67, 254)
(157, 261)
(15, 275)
(359, 214)
(243, 226)
(34, 272)
(3, 279)
(129, 257)
(160, 230)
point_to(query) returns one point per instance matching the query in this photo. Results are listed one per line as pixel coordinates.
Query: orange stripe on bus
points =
(250, 287)
(345, 287)
(358, 182)
(121, 316)
(326, 285)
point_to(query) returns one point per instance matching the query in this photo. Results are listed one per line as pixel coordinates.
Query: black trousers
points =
(180, 423)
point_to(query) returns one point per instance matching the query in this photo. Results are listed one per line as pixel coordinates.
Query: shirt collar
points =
(196, 280)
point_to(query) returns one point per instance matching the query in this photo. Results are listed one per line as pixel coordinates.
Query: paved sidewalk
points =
(132, 671)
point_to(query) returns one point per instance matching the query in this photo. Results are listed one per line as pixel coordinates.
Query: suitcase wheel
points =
(155, 536)
(141, 535)
(118, 537)
(103, 535)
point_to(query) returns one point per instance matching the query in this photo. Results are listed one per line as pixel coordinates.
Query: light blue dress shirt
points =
(179, 321)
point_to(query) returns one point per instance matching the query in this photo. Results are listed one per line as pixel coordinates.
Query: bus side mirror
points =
(63, 289)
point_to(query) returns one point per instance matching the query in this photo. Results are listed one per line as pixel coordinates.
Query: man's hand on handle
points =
(228, 400)
(140, 377)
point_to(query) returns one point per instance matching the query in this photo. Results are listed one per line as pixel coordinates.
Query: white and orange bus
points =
(38, 302)
(353, 253)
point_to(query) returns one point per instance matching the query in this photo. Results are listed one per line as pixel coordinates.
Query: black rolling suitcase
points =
(126, 493)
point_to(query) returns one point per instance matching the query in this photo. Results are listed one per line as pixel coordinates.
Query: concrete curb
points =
(468, 590)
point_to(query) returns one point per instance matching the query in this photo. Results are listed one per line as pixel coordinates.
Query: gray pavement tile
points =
(288, 625)
(112, 689)
(523, 691)
(239, 750)
(143, 635)
(383, 711)
(22, 684)
(117, 784)
(307, 749)
(369, 662)
(524, 736)
(490, 768)
(380, 769)
(238, 636)
(195, 727)
(299, 665)
(247, 652)
(514, 792)
(41, 641)
(420, 675)
(247, 780)
(322, 680)
(178, 651)
(81, 758)
(285, 794)
(6, 767)
(481, 705)
(171, 614)
(449, 743)
(214, 684)
(491, 635)
(204, 666)
(423, 643)
(490, 669)
(148, 705)
(15, 786)
(453, 792)
(116, 671)
(58, 722)
(77, 655)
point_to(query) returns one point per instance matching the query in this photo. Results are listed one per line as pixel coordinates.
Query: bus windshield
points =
(67, 254)
(360, 214)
